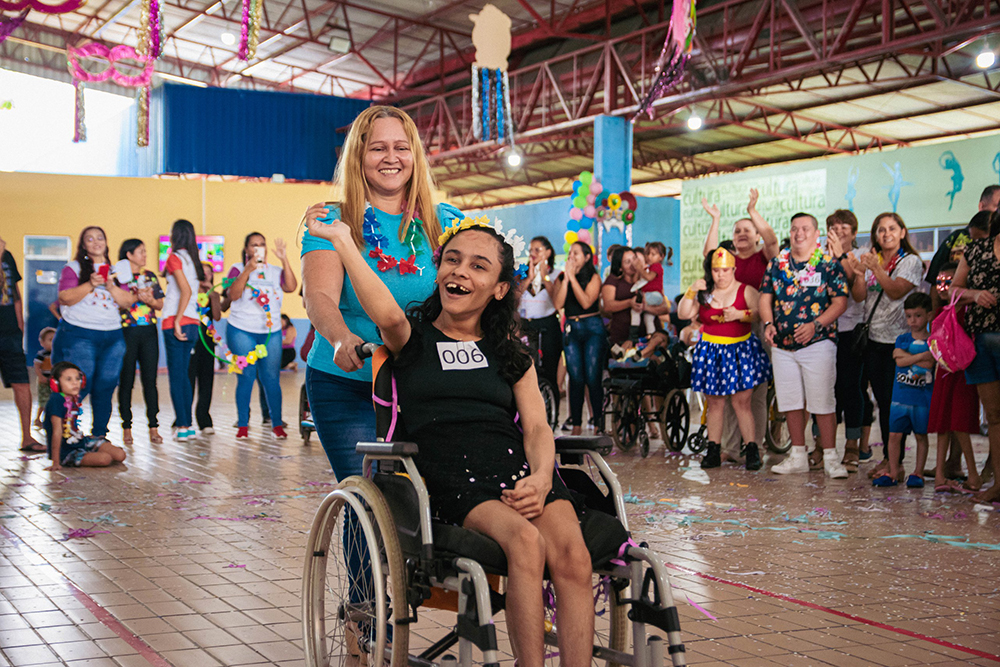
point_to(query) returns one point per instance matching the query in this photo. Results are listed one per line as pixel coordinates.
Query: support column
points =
(613, 166)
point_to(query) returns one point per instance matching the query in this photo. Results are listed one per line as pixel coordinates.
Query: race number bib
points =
(815, 280)
(461, 356)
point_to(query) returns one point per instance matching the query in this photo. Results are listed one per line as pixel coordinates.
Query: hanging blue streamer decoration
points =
(484, 95)
(498, 100)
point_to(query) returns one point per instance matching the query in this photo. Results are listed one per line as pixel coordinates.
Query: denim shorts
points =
(986, 366)
(908, 419)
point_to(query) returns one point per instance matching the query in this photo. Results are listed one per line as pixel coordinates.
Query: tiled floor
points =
(195, 557)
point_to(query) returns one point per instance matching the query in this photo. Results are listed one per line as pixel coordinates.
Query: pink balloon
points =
(595, 187)
(584, 235)
(576, 214)
(591, 199)
(590, 211)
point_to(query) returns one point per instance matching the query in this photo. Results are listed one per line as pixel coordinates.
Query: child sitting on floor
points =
(68, 446)
(911, 391)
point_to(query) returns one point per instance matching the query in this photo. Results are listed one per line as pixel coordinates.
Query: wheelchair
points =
(375, 558)
(627, 386)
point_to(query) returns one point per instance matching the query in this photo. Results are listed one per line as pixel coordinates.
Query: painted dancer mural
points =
(949, 162)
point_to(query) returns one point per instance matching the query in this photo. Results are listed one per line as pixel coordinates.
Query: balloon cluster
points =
(617, 210)
(586, 190)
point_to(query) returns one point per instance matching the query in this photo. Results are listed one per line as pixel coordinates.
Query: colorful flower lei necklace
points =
(785, 265)
(74, 408)
(872, 282)
(235, 363)
(371, 230)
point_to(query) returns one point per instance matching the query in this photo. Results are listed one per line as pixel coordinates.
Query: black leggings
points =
(880, 372)
(201, 372)
(850, 393)
(551, 345)
(142, 346)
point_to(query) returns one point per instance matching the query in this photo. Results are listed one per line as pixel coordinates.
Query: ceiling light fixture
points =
(513, 158)
(228, 38)
(694, 122)
(986, 58)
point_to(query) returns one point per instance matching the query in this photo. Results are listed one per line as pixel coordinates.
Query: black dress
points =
(461, 413)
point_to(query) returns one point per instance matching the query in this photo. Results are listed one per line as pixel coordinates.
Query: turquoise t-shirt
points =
(413, 287)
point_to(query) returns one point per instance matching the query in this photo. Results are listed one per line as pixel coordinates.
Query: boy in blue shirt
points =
(68, 446)
(911, 391)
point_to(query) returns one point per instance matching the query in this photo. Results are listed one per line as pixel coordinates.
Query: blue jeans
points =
(178, 362)
(985, 368)
(99, 356)
(585, 343)
(343, 413)
(267, 369)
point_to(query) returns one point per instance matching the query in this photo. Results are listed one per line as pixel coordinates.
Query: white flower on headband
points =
(514, 241)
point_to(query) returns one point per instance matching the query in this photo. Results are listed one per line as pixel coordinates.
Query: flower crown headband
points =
(510, 237)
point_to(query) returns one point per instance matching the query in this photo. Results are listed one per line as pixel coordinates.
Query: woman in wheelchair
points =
(469, 398)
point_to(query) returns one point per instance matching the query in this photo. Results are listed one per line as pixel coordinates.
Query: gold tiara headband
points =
(723, 259)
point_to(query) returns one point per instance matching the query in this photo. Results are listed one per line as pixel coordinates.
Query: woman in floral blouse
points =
(979, 275)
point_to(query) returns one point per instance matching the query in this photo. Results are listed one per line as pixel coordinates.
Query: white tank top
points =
(172, 298)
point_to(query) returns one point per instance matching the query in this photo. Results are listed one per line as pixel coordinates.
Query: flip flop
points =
(945, 488)
(35, 448)
(884, 480)
(914, 482)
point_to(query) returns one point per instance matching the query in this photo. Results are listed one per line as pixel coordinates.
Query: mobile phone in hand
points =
(104, 270)
(259, 252)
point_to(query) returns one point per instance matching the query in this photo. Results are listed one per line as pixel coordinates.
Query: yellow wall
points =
(146, 207)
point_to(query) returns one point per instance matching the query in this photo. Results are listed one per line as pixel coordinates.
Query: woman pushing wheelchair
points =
(468, 396)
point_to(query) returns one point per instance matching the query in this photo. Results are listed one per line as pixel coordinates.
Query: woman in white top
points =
(90, 331)
(183, 271)
(539, 317)
(255, 319)
(884, 277)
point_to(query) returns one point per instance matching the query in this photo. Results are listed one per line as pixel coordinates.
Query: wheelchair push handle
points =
(365, 350)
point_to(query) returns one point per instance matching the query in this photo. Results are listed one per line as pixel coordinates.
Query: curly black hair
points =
(500, 323)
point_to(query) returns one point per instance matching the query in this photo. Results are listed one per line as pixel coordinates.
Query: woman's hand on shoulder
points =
(336, 232)
(528, 495)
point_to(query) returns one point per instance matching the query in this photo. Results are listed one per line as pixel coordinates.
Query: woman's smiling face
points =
(388, 163)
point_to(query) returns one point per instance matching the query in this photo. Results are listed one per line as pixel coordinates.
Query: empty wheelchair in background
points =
(632, 390)
(375, 557)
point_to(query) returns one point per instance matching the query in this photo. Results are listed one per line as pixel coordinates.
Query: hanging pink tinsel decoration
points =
(10, 25)
(673, 57)
(245, 31)
(155, 29)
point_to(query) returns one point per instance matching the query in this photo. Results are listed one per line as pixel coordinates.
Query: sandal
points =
(33, 447)
(850, 460)
(155, 437)
(816, 459)
(127, 436)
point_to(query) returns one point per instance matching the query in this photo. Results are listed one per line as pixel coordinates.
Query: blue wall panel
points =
(249, 133)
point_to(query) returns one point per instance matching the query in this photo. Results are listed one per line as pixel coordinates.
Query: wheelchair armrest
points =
(598, 443)
(387, 448)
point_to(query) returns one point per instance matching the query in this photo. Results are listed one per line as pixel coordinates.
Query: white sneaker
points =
(208, 431)
(831, 463)
(797, 461)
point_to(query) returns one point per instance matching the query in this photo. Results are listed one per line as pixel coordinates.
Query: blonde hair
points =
(350, 176)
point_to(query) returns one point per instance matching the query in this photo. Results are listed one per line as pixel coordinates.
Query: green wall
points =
(929, 186)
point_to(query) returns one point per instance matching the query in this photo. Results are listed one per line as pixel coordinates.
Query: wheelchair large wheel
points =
(624, 422)
(551, 398)
(698, 440)
(675, 420)
(776, 436)
(351, 614)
